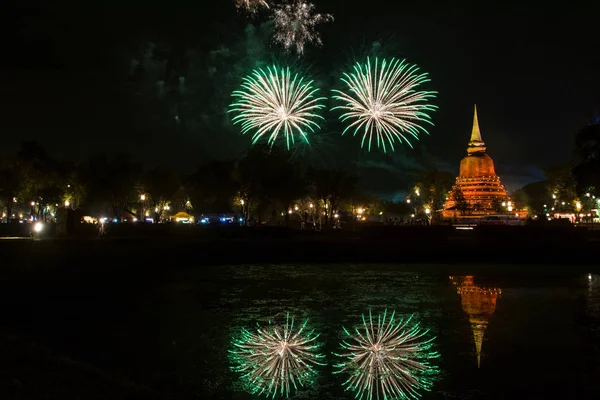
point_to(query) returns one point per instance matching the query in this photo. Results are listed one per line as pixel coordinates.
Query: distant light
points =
(589, 277)
(38, 227)
(336, 216)
(67, 203)
(408, 201)
(311, 205)
(554, 196)
(143, 197)
(587, 194)
(134, 219)
(563, 203)
(289, 212)
(380, 212)
(296, 208)
(32, 203)
(412, 215)
(545, 206)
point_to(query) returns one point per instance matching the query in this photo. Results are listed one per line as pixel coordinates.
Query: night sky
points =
(533, 74)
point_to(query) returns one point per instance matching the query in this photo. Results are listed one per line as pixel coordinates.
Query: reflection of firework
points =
(251, 6)
(273, 101)
(383, 102)
(295, 25)
(278, 359)
(387, 359)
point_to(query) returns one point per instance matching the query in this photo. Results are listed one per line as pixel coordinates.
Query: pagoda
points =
(479, 303)
(477, 180)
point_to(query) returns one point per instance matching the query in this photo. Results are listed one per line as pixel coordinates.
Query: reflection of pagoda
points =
(479, 303)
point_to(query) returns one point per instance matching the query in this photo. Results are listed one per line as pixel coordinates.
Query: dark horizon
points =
(532, 77)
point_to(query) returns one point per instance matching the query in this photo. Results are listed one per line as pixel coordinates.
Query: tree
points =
(42, 181)
(160, 186)
(332, 187)
(10, 183)
(212, 187)
(434, 186)
(586, 171)
(113, 183)
(268, 180)
(460, 202)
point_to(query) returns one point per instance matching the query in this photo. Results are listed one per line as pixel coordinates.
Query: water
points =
(539, 336)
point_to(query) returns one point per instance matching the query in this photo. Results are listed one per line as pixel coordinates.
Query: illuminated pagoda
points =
(479, 303)
(477, 180)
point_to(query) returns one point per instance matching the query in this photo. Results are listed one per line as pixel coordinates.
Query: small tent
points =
(183, 217)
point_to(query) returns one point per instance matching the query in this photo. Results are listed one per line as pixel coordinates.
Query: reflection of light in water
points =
(479, 303)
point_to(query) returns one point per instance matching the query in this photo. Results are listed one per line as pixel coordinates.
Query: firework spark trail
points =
(273, 101)
(384, 102)
(277, 360)
(251, 6)
(387, 359)
(296, 24)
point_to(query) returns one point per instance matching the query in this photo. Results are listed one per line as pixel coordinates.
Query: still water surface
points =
(498, 337)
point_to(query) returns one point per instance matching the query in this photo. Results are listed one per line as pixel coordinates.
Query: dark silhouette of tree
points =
(160, 187)
(561, 182)
(212, 187)
(113, 183)
(10, 183)
(332, 187)
(268, 180)
(460, 202)
(587, 152)
(42, 179)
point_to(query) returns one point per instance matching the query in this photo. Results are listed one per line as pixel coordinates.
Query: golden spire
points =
(476, 144)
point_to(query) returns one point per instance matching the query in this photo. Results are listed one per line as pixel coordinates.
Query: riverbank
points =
(417, 247)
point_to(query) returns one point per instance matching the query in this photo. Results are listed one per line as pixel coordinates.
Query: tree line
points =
(264, 183)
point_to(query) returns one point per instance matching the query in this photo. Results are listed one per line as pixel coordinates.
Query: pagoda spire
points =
(476, 144)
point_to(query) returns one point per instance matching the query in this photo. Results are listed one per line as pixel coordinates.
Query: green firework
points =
(383, 102)
(274, 101)
(387, 359)
(276, 360)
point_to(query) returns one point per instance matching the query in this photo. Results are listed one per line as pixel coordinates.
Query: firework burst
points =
(251, 6)
(273, 102)
(296, 24)
(276, 360)
(384, 103)
(386, 359)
